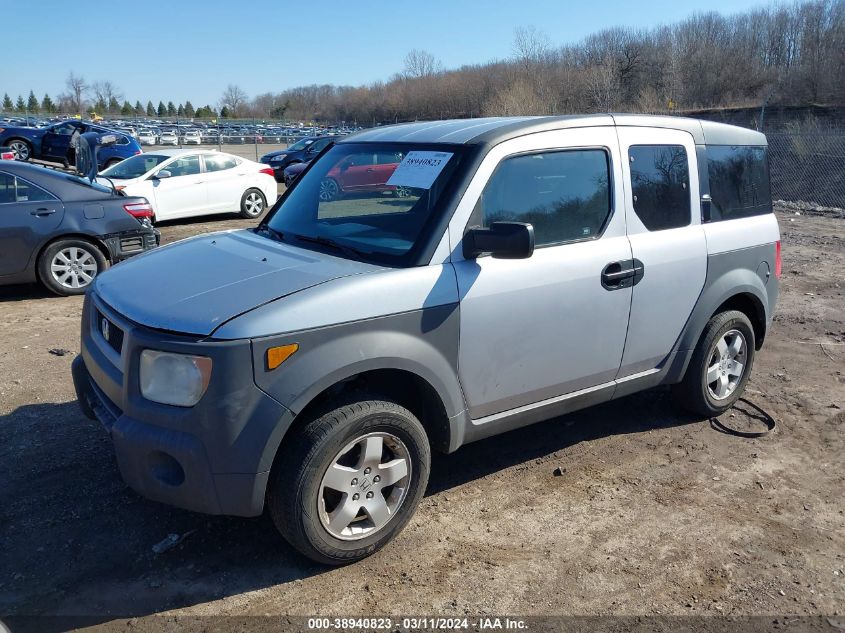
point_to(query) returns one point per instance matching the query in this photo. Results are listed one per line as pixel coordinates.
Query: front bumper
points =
(214, 457)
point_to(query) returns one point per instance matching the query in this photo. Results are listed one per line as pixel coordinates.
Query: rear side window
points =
(660, 185)
(564, 194)
(739, 181)
(7, 188)
(184, 166)
(28, 192)
(219, 163)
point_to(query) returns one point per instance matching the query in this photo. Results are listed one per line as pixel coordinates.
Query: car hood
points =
(196, 285)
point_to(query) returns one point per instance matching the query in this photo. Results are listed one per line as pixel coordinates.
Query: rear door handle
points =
(622, 274)
(42, 212)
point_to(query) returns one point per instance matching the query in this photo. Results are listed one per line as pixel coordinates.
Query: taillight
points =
(778, 261)
(7, 156)
(139, 209)
(267, 170)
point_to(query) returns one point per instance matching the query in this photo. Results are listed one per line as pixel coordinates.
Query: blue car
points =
(54, 143)
(302, 151)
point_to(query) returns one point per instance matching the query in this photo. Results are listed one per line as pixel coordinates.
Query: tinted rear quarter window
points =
(739, 181)
(660, 185)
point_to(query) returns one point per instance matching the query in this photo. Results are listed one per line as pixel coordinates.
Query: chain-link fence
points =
(808, 168)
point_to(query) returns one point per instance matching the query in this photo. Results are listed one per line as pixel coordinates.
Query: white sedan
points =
(181, 183)
(191, 137)
(168, 138)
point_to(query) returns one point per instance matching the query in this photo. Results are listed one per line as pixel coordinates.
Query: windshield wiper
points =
(327, 241)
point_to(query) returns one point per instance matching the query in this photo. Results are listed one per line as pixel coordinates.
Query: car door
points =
(56, 141)
(663, 216)
(184, 193)
(225, 181)
(536, 330)
(357, 171)
(28, 215)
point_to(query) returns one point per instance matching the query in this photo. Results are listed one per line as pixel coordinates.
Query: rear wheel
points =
(350, 480)
(21, 149)
(68, 267)
(112, 162)
(252, 203)
(720, 366)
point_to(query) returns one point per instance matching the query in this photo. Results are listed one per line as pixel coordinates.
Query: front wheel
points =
(350, 480)
(21, 149)
(720, 366)
(68, 267)
(252, 203)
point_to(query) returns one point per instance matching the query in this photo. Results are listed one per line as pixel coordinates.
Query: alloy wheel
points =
(727, 364)
(328, 190)
(20, 150)
(364, 486)
(253, 204)
(73, 267)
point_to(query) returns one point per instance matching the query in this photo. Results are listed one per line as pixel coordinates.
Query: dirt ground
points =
(650, 512)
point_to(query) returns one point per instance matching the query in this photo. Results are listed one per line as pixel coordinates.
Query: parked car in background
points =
(191, 137)
(168, 138)
(62, 230)
(53, 143)
(291, 172)
(302, 151)
(147, 137)
(363, 172)
(182, 183)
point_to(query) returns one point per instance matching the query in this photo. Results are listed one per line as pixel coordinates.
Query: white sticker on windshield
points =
(419, 169)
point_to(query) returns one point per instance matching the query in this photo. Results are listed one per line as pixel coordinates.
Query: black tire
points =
(86, 252)
(294, 491)
(113, 162)
(329, 190)
(253, 204)
(694, 393)
(21, 148)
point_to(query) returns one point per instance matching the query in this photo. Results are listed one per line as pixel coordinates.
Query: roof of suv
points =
(493, 130)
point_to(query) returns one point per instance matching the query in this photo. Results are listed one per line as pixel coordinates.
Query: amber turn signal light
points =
(277, 355)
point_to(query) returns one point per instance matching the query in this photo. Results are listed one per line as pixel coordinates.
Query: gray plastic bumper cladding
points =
(208, 458)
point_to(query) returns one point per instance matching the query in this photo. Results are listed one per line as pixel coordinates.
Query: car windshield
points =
(371, 201)
(134, 167)
(85, 182)
(300, 145)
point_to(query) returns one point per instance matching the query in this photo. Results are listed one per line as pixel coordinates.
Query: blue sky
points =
(181, 49)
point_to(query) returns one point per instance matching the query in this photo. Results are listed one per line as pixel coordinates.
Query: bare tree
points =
(77, 89)
(530, 45)
(106, 92)
(234, 99)
(420, 64)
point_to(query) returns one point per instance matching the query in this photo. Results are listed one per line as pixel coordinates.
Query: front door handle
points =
(622, 274)
(42, 212)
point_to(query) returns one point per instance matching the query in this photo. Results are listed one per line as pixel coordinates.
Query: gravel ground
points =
(650, 512)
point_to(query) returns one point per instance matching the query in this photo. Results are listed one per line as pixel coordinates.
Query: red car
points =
(361, 173)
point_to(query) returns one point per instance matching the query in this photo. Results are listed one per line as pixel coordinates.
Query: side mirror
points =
(162, 173)
(503, 240)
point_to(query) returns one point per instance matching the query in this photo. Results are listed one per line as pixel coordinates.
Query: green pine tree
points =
(162, 109)
(171, 109)
(180, 110)
(189, 110)
(150, 109)
(139, 109)
(20, 106)
(7, 103)
(114, 106)
(47, 104)
(126, 109)
(224, 112)
(100, 107)
(32, 102)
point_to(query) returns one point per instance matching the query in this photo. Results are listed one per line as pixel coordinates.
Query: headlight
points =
(176, 379)
(279, 157)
